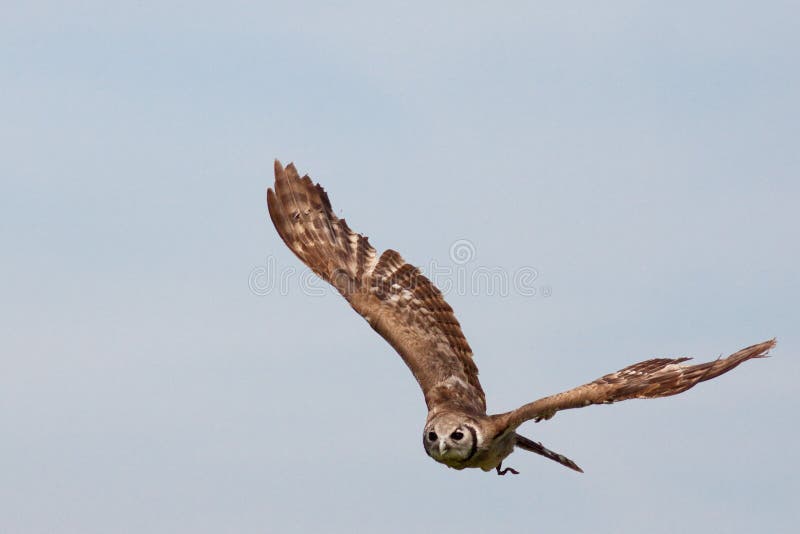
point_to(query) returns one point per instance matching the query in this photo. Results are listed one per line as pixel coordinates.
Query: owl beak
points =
(442, 447)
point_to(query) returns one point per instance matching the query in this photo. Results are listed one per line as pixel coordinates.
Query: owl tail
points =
(533, 446)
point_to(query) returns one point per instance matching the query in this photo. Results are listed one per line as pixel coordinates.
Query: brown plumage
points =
(407, 310)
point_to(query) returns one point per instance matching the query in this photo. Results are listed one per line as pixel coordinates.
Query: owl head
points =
(451, 439)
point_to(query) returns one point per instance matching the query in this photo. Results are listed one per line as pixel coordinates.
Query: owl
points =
(409, 312)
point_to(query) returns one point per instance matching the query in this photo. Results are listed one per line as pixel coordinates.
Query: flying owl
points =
(409, 312)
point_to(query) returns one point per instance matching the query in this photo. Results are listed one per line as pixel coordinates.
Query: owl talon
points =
(506, 470)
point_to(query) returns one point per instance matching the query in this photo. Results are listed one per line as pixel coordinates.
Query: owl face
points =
(450, 439)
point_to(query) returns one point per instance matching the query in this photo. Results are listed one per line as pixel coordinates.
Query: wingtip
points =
(291, 171)
(771, 344)
(278, 168)
(761, 350)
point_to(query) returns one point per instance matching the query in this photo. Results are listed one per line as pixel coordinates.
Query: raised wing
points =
(660, 377)
(394, 297)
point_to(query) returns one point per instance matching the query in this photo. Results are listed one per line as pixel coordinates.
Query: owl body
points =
(492, 454)
(411, 314)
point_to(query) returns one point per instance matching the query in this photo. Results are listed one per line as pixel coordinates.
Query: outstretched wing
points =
(660, 377)
(394, 297)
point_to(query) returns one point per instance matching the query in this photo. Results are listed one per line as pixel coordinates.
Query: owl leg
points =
(506, 470)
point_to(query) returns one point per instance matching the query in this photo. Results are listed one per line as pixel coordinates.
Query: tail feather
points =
(534, 446)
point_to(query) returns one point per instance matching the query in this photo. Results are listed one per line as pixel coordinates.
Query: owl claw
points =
(506, 470)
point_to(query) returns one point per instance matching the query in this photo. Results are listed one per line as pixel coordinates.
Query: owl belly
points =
(491, 457)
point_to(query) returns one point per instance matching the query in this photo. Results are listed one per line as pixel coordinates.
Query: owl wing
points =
(394, 297)
(660, 377)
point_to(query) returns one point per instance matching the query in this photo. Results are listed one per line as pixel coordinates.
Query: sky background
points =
(641, 158)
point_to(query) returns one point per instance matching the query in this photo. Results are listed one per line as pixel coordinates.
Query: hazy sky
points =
(638, 161)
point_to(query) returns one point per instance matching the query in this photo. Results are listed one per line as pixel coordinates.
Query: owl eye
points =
(457, 435)
(432, 436)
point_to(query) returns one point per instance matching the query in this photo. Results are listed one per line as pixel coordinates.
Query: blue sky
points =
(641, 158)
